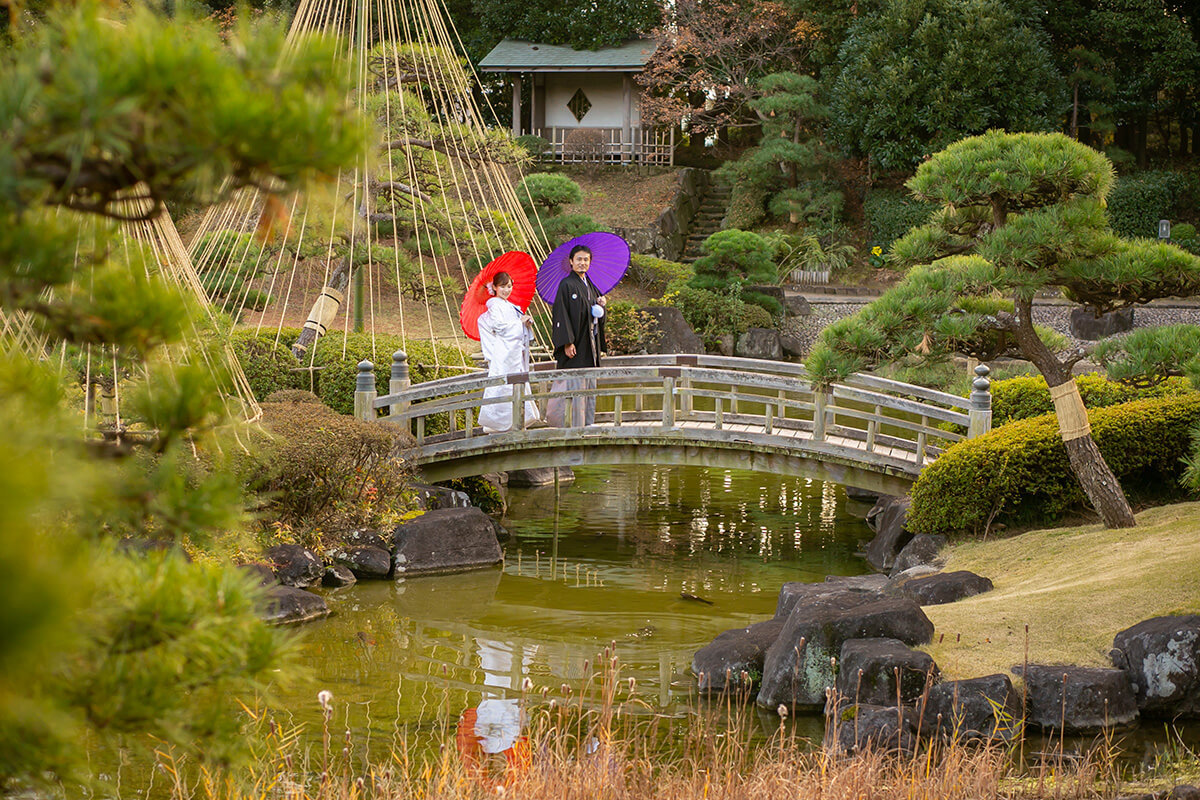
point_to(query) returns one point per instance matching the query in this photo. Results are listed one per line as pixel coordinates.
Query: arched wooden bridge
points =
(714, 411)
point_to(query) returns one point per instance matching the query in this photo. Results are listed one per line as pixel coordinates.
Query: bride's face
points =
(504, 291)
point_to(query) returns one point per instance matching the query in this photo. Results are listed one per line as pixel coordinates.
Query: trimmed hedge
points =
(1028, 396)
(269, 366)
(1019, 473)
(272, 368)
(339, 370)
(1137, 202)
(888, 215)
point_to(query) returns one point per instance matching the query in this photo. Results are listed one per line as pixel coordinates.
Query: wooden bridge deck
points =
(696, 410)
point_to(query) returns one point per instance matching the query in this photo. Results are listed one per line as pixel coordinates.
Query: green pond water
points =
(605, 561)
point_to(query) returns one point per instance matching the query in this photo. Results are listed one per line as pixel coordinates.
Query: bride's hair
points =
(502, 279)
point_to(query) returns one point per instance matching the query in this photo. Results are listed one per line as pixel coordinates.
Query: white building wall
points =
(602, 88)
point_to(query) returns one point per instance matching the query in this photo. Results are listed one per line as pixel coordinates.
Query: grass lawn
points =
(1075, 588)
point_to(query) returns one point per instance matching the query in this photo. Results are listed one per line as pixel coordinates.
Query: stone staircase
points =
(707, 221)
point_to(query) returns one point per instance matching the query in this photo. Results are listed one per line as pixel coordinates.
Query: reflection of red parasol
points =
(523, 270)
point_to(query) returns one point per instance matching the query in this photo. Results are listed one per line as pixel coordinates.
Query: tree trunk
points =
(320, 317)
(1099, 483)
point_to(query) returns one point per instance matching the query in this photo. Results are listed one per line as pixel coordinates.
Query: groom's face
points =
(580, 262)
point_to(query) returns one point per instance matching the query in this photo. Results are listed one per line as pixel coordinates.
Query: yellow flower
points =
(876, 250)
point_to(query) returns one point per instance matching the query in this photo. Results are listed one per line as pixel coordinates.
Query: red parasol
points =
(523, 270)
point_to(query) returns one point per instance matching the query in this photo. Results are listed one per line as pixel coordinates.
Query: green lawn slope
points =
(1074, 588)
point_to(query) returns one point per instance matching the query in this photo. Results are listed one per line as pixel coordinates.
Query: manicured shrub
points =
(888, 215)
(293, 396)
(533, 145)
(269, 364)
(1025, 397)
(734, 254)
(320, 473)
(713, 314)
(1019, 473)
(1138, 202)
(338, 355)
(656, 274)
(627, 329)
(545, 193)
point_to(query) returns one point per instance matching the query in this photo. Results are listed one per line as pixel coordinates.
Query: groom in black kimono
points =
(578, 339)
(578, 336)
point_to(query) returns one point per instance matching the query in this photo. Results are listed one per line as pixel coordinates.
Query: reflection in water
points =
(629, 543)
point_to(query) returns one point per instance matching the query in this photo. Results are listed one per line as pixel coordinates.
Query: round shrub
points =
(533, 145)
(547, 193)
(269, 364)
(734, 254)
(1028, 396)
(889, 215)
(747, 205)
(1019, 473)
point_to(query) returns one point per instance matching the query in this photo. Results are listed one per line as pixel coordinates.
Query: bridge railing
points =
(665, 392)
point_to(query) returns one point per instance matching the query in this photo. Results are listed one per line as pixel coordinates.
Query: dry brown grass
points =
(1074, 588)
(594, 744)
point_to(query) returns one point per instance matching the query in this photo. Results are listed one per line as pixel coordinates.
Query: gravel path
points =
(826, 310)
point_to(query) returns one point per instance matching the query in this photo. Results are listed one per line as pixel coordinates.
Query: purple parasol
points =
(610, 259)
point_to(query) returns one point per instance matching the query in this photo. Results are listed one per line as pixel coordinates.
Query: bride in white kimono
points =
(505, 333)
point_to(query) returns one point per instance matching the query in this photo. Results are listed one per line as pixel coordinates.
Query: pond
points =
(656, 560)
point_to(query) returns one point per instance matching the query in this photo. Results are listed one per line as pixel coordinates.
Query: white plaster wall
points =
(602, 88)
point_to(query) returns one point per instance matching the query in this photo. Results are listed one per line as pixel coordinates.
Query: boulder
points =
(887, 520)
(445, 540)
(800, 665)
(373, 538)
(674, 335)
(1161, 657)
(866, 727)
(946, 587)
(862, 495)
(434, 497)
(1086, 324)
(986, 708)
(539, 476)
(286, 605)
(725, 344)
(791, 345)
(795, 305)
(759, 343)
(296, 565)
(871, 669)
(367, 562)
(337, 576)
(921, 550)
(262, 574)
(733, 661)
(1078, 699)
(793, 592)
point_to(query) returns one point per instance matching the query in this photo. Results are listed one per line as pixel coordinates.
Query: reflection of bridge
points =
(713, 411)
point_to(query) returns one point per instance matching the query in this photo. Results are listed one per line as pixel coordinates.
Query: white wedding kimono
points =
(505, 343)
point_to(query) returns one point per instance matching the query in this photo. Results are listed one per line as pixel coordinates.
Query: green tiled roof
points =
(512, 55)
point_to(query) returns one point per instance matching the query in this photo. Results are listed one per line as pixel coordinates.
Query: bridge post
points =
(981, 403)
(820, 402)
(364, 392)
(399, 380)
(668, 404)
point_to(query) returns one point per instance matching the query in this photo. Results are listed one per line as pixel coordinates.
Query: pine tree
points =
(1019, 214)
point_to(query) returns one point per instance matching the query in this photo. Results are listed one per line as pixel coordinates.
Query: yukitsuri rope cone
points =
(392, 244)
(146, 238)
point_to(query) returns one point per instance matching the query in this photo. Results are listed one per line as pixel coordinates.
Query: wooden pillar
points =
(516, 98)
(626, 118)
